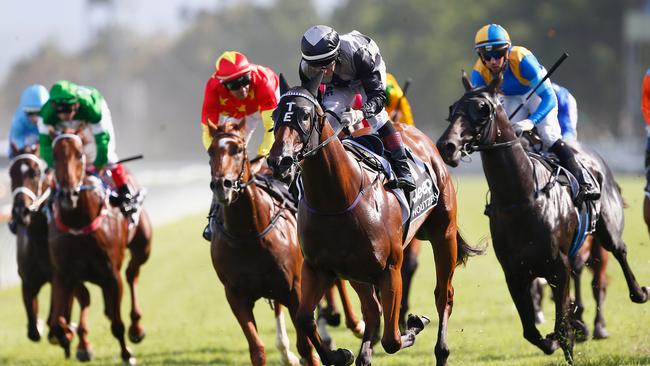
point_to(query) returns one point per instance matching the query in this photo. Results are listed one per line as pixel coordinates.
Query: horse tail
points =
(465, 250)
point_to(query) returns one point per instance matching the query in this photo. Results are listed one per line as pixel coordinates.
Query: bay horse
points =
(87, 242)
(350, 226)
(593, 255)
(532, 229)
(30, 193)
(254, 246)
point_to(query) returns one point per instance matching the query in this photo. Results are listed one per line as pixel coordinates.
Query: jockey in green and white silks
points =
(74, 106)
(521, 73)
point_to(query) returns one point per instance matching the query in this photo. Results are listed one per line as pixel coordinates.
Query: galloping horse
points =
(350, 226)
(646, 210)
(532, 229)
(254, 247)
(88, 239)
(29, 193)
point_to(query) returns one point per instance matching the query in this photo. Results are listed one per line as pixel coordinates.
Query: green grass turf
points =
(189, 322)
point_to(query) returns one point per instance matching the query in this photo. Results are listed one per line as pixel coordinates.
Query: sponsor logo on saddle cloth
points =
(425, 196)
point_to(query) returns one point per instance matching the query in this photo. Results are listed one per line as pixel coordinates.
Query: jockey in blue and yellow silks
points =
(521, 73)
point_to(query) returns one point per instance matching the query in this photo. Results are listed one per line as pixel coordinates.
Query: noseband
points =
(74, 192)
(37, 197)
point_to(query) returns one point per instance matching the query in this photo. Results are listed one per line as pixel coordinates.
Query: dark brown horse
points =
(594, 256)
(88, 239)
(532, 228)
(254, 249)
(30, 193)
(646, 210)
(350, 226)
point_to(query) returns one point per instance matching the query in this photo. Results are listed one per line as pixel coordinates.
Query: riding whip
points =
(548, 74)
(130, 158)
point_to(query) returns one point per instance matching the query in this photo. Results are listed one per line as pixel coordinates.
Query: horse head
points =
(69, 167)
(27, 175)
(299, 120)
(477, 121)
(229, 164)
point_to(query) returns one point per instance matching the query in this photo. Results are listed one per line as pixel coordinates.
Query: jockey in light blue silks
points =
(521, 73)
(24, 130)
(567, 113)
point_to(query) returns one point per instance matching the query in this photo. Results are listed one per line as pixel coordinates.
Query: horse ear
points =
(241, 126)
(212, 128)
(284, 86)
(466, 82)
(313, 84)
(14, 148)
(496, 82)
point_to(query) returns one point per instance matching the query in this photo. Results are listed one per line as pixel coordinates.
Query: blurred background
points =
(151, 59)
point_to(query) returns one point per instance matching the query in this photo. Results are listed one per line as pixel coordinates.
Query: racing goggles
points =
(64, 107)
(238, 83)
(494, 54)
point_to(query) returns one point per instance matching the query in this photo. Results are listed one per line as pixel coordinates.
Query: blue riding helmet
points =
(491, 36)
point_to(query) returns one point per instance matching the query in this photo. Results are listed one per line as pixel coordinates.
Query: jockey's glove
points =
(351, 117)
(522, 126)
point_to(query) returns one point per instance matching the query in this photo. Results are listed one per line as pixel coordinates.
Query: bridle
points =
(311, 137)
(481, 120)
(79, 187)
(238, 185)
(39, 196)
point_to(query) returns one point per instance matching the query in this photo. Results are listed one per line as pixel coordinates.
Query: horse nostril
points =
(450, 147)
(227, 183)
(285, 162)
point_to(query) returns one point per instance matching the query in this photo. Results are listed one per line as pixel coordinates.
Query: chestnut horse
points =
(88, 239)
(593, 255)
(30, 194)
(254, 247)
(350, 226)
(532, 229)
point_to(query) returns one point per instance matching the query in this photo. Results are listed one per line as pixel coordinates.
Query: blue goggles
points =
(494, 54)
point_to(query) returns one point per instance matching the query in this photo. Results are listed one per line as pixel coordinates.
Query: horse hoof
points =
(52, 339)
(359, 329)
(136, 337)
(34, 335)
(581, 331)
(417, 323)
(600, 333)
(549, 344)
(290, 359)
(84, 355)
(333, 319)
(131, 361)
(343, 357)
(641, 298)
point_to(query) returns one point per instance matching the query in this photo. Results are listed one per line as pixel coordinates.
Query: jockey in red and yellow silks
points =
(395, 95)
(239, 89)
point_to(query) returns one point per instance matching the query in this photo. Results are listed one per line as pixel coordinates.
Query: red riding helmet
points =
(231, 65)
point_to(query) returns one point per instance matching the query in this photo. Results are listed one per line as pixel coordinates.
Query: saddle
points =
(588, 212)
(369, 151)
(278, 191)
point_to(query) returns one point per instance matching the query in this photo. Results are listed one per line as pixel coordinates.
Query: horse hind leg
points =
(351, 321)
(30, 300)
(564, 332)
(140, 248)
(282, 339)
(577, 267)
(409, 265)
(609, 235)
(537, 294)
(60, 332)
(371, 310)
(112, 291)
(598, 263)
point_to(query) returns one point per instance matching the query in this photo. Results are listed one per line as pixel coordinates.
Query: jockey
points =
(236, 90)
(395, 95)
(74, 106)
(24, 131)
(521, 73)
(645, 108)
(567, 112)
(352, 64)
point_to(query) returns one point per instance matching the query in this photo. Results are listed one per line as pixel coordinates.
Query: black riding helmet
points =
(320, 45)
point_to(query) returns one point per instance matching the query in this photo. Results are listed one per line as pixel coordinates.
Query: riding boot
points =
(393, 143)
(122, 199)
(567, 159)
(207, 232)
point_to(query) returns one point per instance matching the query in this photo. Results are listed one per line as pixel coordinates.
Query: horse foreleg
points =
(30, 300)
(61, 296)
(351, 321)
(313, 286)
(282, 339)
(564, 332)
(329, 312)
(305, 348)
(84, 349)
(390, 293)
(140, 248)
(519, 288)
(598, 263)
(409, 265)
(112, 291)
(242, 308)
(537, 294)
(577, 266)
(371, 310)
